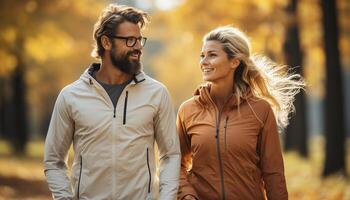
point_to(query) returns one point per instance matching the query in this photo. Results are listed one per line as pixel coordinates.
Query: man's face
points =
(124, 58)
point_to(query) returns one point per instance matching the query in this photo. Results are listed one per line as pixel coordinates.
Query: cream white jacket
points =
(113, 146)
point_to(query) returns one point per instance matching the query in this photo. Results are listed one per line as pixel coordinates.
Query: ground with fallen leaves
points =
(22, 178)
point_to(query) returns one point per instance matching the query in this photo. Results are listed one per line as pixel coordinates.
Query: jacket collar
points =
(87, 75)
(202, 96)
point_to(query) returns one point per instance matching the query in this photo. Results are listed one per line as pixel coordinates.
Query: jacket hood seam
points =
(87, 75)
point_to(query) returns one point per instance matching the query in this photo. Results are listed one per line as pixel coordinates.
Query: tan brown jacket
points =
(222, 153)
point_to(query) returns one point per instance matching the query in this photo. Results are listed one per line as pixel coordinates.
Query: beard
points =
(123, 63)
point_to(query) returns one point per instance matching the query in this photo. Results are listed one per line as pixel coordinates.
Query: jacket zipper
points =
(225, 133)
(125, 107)
(81, 169)
(149, 172)
(223, 197)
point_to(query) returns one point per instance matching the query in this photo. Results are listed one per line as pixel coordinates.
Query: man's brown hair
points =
(109, 20)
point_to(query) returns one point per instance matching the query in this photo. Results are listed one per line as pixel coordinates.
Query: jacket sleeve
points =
(57, 144)
(271, 160)
(169, 148)
(185, 187)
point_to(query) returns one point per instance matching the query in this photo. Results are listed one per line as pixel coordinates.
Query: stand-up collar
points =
(202, 96)
(87, 75)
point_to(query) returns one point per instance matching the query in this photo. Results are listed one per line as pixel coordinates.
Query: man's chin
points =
(134, 60)
(134, 68)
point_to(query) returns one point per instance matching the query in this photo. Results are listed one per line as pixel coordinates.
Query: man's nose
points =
(138, 45)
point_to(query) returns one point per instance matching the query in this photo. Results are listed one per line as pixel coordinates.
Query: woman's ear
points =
(106, 43)
(235, 63)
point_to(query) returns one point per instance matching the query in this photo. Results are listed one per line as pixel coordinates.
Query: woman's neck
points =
(220, 93)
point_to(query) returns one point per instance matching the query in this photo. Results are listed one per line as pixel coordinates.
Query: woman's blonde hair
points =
(265, 78)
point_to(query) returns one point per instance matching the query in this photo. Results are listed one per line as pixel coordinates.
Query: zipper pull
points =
(225, 133)
(125, 107)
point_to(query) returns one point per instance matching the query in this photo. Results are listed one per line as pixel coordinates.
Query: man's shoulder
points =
(73, 87)
(151, 80)
(154, 84)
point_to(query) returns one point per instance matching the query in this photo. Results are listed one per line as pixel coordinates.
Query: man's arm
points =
(57, 144)
(169, 148)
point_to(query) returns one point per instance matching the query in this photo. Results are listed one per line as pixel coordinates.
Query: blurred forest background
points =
(45, 45)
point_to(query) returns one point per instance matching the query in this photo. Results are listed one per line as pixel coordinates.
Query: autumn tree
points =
(42, 43)
(296, 133)
(334, 107)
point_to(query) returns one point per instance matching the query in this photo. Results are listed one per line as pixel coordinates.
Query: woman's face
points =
(214, 63)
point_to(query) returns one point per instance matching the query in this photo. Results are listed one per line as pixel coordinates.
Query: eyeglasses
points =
(131, 41)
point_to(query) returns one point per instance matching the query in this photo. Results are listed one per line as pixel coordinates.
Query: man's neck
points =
(111, 75)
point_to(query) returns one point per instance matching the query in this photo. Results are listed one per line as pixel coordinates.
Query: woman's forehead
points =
(211, 46)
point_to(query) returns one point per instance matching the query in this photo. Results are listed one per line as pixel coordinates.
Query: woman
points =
(228, 130)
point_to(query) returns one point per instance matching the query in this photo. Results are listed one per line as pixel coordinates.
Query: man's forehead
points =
(129, 28)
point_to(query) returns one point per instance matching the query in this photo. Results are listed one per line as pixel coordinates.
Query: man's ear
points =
(106, 42)
(235, 63)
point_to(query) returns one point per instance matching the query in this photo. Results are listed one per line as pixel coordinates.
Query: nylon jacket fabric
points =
(113, 146)
(221, 155)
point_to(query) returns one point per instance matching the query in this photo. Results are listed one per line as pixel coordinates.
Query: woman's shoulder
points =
(189, 104)
(261, 107)
(259, 103)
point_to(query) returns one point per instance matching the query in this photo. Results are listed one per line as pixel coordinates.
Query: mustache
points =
(134, 51)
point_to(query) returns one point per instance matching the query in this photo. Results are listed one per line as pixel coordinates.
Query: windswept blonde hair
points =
(265, 78)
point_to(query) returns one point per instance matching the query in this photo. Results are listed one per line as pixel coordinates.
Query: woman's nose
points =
(203, 61)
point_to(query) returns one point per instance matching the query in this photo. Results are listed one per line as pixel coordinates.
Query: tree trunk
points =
(334, 116)
(296, 133)
(6, 110)
(2, 107)
(19, 136)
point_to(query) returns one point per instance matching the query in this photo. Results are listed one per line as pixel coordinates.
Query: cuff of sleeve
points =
(193, 195)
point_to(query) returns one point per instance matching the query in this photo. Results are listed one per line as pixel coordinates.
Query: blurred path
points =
(17, 188)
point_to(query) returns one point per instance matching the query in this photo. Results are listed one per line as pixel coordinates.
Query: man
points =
(113, 115)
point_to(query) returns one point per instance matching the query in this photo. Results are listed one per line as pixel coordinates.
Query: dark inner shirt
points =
(114, 91)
